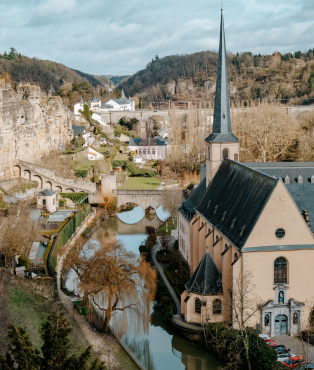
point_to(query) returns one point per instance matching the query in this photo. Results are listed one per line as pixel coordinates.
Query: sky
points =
(119, 37)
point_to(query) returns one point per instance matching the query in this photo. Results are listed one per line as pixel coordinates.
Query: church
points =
(248, 222)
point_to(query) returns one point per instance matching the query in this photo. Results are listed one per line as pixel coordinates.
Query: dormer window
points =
(215, 209)
(208, 205)
(224, 216)
(232, 223)
(242, 230)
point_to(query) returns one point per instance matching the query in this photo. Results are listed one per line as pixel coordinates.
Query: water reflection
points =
(134, 214)
(162, 348)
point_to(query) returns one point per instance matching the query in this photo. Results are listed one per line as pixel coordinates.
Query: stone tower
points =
(221, 143)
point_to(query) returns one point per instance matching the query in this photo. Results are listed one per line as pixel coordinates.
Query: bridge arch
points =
(27, 175)
(17, 171)
(48, 185)
(38, 179)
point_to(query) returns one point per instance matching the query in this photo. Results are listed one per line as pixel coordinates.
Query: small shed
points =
(47, 200)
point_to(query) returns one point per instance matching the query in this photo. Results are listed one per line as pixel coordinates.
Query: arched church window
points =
(235, 256)
(295, 318)
(198, 306)
(217, 307)
(225, 153)
(266, 320)
(280, 270)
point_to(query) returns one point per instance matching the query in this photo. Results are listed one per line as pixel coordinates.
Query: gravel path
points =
(297, 346)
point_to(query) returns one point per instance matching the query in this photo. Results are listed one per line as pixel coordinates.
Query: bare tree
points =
(113, 279)
(171, 200)
(16, 232)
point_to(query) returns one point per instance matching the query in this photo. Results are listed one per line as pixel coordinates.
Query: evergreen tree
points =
(55, 351)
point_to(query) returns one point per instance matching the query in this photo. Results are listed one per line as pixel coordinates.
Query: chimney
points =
(300, 180)
(305, 215)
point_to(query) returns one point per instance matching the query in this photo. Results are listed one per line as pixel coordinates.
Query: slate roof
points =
(155, 141)
(78, 129)
(122, 101)
(187, 208)
(206, 279)
(234, 200)
(222, 131)
(282, 169)
(47, 192)
(303, 196)
(94, 99)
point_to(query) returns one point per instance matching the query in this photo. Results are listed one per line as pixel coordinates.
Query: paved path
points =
(297, 346)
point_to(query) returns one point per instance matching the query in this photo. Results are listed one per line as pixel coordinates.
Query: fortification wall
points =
(30, 126)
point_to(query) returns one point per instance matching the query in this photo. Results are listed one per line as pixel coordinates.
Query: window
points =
(198, 306)
(280, 270)
(153, 150)
(266, 320)
(147, 151)
(44, 202)
(295, 318)
(209, 153)
(235, 256)
(140, 152)
(54, 201)
(217, 307)
(144, 151)
(225, 154)
(236, 157)
(280, 233)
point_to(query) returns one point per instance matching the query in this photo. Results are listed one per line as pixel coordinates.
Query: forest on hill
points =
(50, 76)
(282, 77)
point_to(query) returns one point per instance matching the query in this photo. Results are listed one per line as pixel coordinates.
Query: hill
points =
(51, 76)
(185, 77)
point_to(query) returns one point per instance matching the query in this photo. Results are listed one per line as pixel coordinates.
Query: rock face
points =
(30, 126)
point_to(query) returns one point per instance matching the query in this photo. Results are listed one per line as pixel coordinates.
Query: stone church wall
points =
(30, 126)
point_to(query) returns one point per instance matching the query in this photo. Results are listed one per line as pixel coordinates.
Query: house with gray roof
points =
(155, 148)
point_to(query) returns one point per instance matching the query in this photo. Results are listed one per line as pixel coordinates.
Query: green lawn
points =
(103, 149)
(162, 230)
(121, 157)
(87, 165)
(141, 183)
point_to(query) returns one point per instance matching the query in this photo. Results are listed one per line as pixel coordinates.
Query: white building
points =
(47, 200)
(123, 104)
(92, 155)
(150, 149)
(80, 129)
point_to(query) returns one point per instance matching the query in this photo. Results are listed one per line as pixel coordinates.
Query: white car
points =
(263, 336)
(284, 356)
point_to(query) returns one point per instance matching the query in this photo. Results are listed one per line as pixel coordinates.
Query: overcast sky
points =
(121, 36)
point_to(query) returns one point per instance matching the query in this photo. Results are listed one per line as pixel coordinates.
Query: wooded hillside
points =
(193, 77)
(50, 75)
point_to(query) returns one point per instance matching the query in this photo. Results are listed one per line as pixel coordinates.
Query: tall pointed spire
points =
(122, 94)
(222, 131)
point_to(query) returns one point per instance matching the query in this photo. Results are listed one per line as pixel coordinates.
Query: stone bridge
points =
(143, 115)
(47, 179)
(144, 198)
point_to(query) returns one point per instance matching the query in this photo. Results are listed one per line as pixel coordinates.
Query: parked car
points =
(294, 362)
(284, 356)
(264, 336)
(281, 348)
(271, 342)
(307, 366)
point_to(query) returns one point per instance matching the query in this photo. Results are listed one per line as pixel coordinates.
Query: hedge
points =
(75, 197)
(81, 173)
(169, 276)
(144, 248)
(66, 233)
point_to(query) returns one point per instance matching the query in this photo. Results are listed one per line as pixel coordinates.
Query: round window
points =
(280, 233)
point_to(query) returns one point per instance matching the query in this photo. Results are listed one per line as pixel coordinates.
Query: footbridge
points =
(47, 179)
(144, 198)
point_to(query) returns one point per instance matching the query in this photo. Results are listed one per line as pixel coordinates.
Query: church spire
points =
(222, 131)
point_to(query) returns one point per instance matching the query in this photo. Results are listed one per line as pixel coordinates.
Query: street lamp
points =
(108, 351)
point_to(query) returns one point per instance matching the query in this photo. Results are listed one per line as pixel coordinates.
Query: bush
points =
(24, 261)
(190, 187)
(81, 173)
(149, 244)
(165, 301)
(168, 312)
(103, 134)
(150, 230)
(75, 197)
(144, 248)
(62, 202)
(96, 179)
(228, 344)
(152, 238)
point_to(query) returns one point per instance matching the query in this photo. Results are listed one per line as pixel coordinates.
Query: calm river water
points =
(162, 348)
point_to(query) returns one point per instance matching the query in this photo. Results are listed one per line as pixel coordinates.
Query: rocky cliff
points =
(30, 125)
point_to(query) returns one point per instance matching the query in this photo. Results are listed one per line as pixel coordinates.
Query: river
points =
(162, 348)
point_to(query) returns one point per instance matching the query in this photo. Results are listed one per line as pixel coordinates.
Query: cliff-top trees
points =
(114, 279)
(55, 351)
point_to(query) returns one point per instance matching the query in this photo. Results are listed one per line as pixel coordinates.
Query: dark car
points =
(281, 348)
(307, 366)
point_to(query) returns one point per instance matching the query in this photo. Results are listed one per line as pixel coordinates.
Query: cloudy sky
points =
(121, 36)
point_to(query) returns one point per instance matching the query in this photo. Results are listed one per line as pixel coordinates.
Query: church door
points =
(281, 324)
